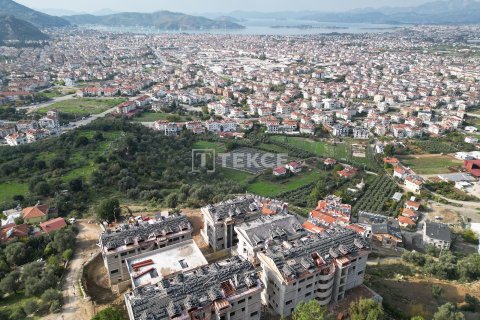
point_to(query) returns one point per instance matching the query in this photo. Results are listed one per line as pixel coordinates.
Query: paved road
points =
(74, 307)
(32, 108)
(87, 120)
(473, 115)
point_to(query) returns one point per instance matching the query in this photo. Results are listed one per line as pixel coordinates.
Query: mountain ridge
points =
(12, 28)
(38, 19)
(163, 19)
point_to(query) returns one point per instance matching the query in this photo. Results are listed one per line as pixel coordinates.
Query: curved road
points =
(31, 109)
(74, 307)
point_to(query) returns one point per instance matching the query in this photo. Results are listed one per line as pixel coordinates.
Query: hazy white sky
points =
(198, 6)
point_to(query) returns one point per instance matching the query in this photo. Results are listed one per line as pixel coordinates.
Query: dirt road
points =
(74, 307)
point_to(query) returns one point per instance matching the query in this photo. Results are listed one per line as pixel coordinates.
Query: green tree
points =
(389, 150)
(42, 188)
(30, 306)
(171, 201)
(448, 311)
(366, 309)
(51, 295)
(417, 318)
(109, 313)
(468, 268)
(62, 240)
(9, 283)
(108, 209)
(67, 255)
(311, 310)
(16, 253)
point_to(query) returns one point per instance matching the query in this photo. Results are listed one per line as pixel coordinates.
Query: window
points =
(232, 314)
(219, 239)
(301, 281)
(360, 272)
(288, 302)
(123, 254)
(241, 301)
(308, 294)
(114, 271)
(309, 285)
(253, 314)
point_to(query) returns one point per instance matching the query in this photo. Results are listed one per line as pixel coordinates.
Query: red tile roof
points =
(35, 211)
(53, 225)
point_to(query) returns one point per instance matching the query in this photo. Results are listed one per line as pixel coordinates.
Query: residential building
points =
(321, 266)
(53, 225)
(221, 218)
(228, 289)
(254, 235)
(437, 234)
(152, 266)
(130, 240)
(36, 214)
(360, 133)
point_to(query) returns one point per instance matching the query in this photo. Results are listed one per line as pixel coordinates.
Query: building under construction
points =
(228, 289)
(132, 239)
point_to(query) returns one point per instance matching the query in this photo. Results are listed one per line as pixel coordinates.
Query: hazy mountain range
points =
(161, 19)
(437, 12)
(38, 19)
(12, 28)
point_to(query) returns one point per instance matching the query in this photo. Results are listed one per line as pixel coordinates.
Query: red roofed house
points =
(392, 161)
(405, 222)
(53, 225)
(12, 231)
(347, 172)
(409, 213)
(414, 205)
(279, 171)
(294, 167)
(330, 162)
(35, 214)
(473, 166)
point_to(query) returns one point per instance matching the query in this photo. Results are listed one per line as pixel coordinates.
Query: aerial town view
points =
(224, 160)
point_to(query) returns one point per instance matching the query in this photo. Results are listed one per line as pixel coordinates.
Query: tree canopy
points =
(311, 310)
(366, 309)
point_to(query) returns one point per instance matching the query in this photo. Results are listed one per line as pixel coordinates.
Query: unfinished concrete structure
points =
(131, 240)
(152, 266)
(220, 218)
(318, 266)
(253, 236)
(229, 290)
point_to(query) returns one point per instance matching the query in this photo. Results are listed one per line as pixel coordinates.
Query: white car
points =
(72, 220)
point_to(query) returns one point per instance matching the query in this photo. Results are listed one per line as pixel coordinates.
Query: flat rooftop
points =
(151, 267)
